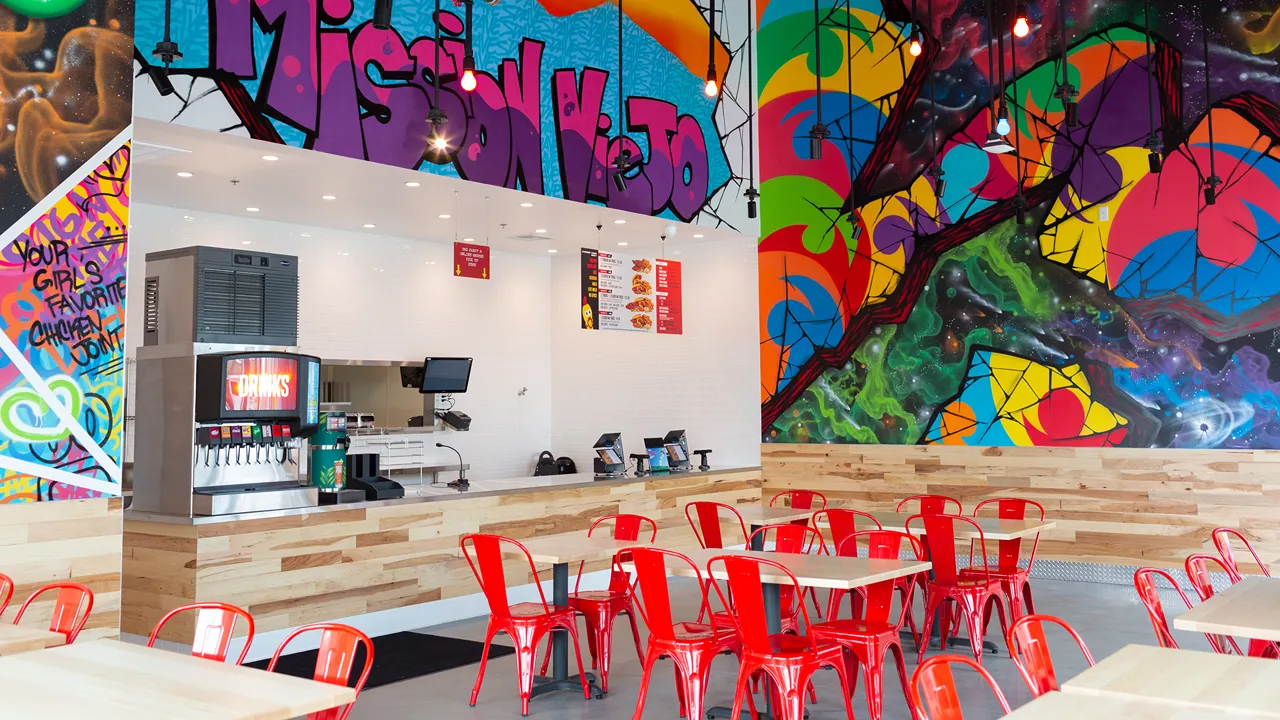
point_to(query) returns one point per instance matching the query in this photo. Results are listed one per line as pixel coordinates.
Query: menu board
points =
(635, 294)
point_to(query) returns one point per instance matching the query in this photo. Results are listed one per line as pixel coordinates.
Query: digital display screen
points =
(677, 452)
(658, 459)
(609, 456)
(261, 383)
(445, 375)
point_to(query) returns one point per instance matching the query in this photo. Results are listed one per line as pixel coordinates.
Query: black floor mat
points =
(397, 657)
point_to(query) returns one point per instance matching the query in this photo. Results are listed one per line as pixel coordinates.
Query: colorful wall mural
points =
(1125, 311)
(318, 74)
(64, 199)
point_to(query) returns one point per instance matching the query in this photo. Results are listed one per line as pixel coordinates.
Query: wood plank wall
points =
(322, 566)
(1115, 505)
(77, 540)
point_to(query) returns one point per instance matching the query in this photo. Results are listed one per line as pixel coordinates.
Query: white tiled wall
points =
(383, 301)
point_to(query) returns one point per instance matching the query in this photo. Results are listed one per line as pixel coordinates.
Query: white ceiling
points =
(230, 174)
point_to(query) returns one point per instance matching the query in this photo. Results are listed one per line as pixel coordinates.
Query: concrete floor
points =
(1106, 616)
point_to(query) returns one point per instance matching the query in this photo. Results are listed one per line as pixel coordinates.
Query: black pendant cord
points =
(751, 193)
(817, 56)
(436, 80)
(469, 4)
(711, 42)
(1211, 191)
(848, 17)
(1020, 203)
(1151, 73)
(1000, 51)
(1066, 91)
(933, 98)
(991, 66)
(166, 51)
(620, 91)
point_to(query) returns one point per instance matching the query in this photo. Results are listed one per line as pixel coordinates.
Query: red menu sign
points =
(667, 287)
(262, 383)
(471, 261)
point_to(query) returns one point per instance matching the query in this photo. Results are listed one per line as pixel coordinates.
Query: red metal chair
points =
(1222, 541)
(336, 660)
(972, 592)
(707, 527)
(6, 592)
(690, 645)
(71, 608)
(788, 660)
(931, 505)
(215, 626)
(939, 700)
(1199, 567)
(525, 623)
(599, 608)
(841, 524)
(1144, 582)
(803, 500)
(876, 633)
(797, 540)
(1030, 651)
(1015, 580)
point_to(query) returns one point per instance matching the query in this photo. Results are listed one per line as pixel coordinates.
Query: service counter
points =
(292, 567)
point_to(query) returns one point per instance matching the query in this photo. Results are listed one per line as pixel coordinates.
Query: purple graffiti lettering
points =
(395, 131)
(291, 75)
(486, 151)
(692, 173)
(638, 197)
(658, 118)
(339, 130)
(522, 90)
(578, 124)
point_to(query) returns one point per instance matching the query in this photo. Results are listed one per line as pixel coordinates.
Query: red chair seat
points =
(972, 572)
(967, 581)
(688, 631)
(596, 596)
(535, 610)
(855, 627)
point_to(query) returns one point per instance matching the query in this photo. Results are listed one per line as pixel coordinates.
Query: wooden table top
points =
(1241, 685)
(824, 571)
(16, 638)
(110, 680)
(760, 515)
(993, 528)
(575, 547)
(1069, 706)
(1250, 609)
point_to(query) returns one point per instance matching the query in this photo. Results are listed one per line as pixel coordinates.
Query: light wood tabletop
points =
(1241, 685)
(1250, 609)
(824, 571)
(110, 680)
(16, 638)
(761, 515)
(575, 547)
(992, 528)
(1068, 706)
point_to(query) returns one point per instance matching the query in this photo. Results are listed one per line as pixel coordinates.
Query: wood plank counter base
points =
(76, 540)
(329, 563)
(1118, 506)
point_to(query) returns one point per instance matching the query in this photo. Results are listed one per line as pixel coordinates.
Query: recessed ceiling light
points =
(468, 239)
(551, 250)
(431, 262)
(445, 216)
(184, 174)
(252, 209)
(526, 204)
(540, 230)
(246, 242)
(306, 234)
(619, 222)
(697, 235)
(622, 244)
(411, 183)
(677, 252)
(328, 197)
(344, 254)
(270, 158)
(370, 225)
(188, 218)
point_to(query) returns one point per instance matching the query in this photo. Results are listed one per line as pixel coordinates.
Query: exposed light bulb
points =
(915, 48)
(440, 143)
(711, 89)
(468, 81)
(1021, 28)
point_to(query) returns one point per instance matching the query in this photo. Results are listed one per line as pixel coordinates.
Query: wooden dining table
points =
(993, 528)
(819, 571)
(1185, 679)
(18, 638)
(1069, 706)
(1248, 609)
(111, 680)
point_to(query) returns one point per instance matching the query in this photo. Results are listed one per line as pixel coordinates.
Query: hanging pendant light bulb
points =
(916, 46)
(436, 115)
(1066, 92)
(468, 81)
(712, 88)
(166, 50)
(1021, 26)
(1002, 120)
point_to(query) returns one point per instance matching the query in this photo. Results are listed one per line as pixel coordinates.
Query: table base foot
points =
(543, 685)
(934, 642)
(727, 712)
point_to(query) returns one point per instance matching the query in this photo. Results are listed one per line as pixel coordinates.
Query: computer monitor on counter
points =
(677, 450)
(610, 459)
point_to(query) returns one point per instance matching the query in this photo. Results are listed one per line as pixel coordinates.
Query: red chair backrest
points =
(707, 525)
(336, 659)
(1010, 551)
(1222, 541)
(794, 539)
(1199, 567)
(883, 545)
(1144, 582)
(841, 523)
(931, 505)
(484, 555)
(215, 627)
(747, 590)
(939, 699)
(1030, 651)
(628, 528)
(6, 592)
(939, 537)
(650, 588)
(71, 608)
(802, 499)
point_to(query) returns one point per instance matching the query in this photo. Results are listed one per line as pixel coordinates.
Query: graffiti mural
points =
(542, 118)
(1068, 292)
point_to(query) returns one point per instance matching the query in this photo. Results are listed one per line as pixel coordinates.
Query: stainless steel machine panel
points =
(248, 501)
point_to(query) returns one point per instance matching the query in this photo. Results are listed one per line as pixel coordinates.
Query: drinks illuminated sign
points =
(261, 383)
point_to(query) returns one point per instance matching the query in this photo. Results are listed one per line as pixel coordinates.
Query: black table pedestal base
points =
(543, 685)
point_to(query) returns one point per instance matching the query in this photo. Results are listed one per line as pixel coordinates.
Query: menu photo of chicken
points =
(626, 291)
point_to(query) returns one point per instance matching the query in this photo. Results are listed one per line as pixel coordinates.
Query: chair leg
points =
(1026, 598)
(546, 655)
(906, 598)
(930, 607)
(833, 603)
(577, 655)
(973, 619)
(635, 633)
(900, 661)
(695, 685)
(846, 688)
(484, 660)
(526, 649)
(646, 664)
(600, 634)
(680, 699)
(873, 671)
(813, 595)
(745, 672)
(1004, 624)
